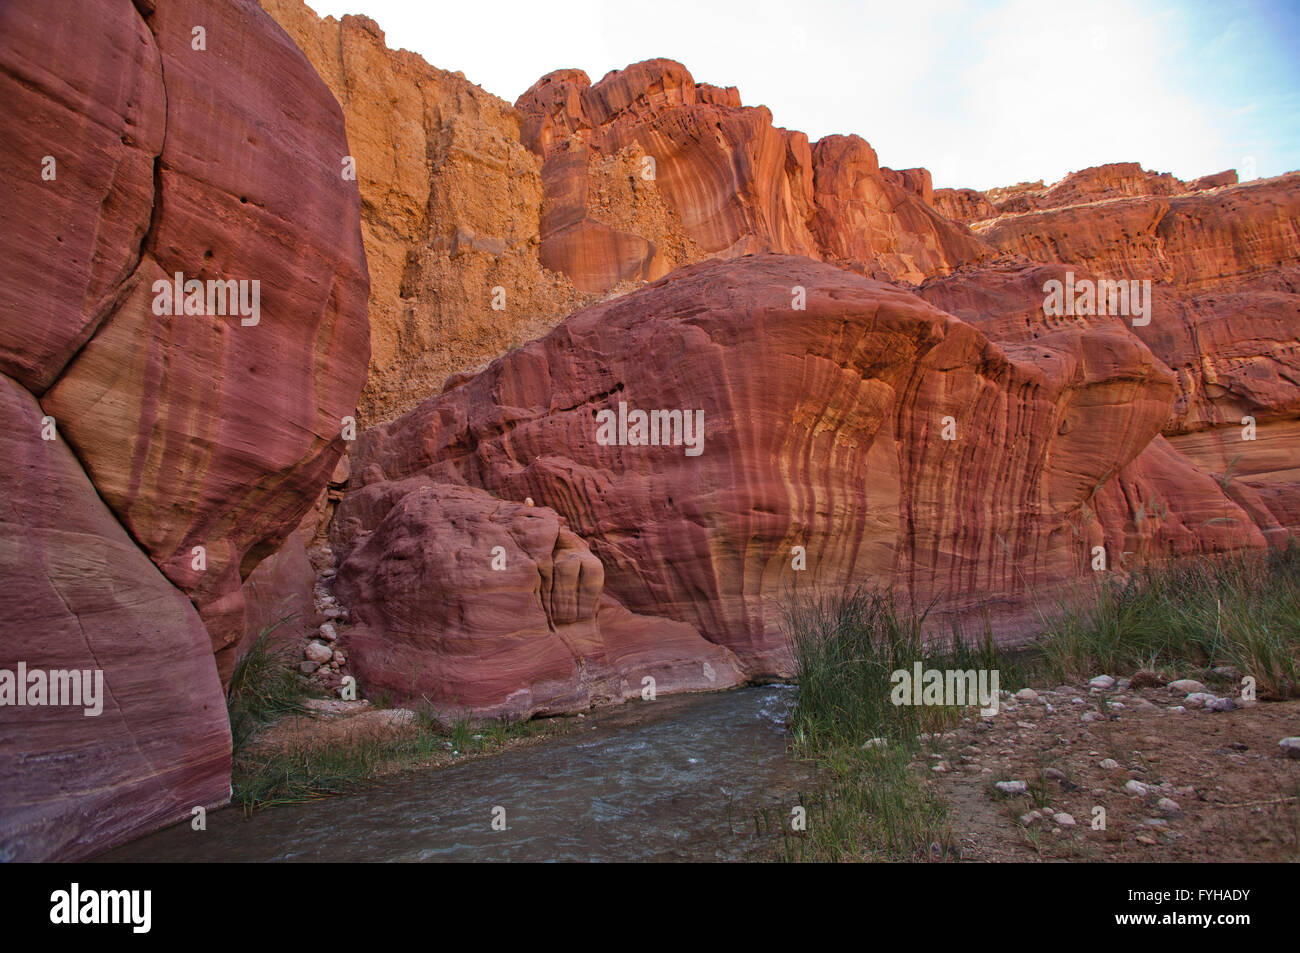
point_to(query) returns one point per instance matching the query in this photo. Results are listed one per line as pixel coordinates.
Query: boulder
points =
(467, 602)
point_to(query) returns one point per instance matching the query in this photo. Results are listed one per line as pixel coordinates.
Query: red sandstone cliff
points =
(485, 223)
(152, 460)
(1093, 431)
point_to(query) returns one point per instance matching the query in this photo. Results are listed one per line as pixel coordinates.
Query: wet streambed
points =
(680, 778)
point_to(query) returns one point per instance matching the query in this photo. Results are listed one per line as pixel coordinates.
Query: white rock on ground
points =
(328, 632)
(318, 652)
(1136, 788)
(1012, 787)
(1027, 695)
(1185, 686)
(1167, 806)
(1102, 682)
(1065, 820)
(1290, 747)
(1110, 764)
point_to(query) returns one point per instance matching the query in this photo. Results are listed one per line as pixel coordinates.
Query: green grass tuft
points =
(874, 803)
(1241, 610)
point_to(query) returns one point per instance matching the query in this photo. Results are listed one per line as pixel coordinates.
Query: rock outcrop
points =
(733, 182)
(1163, 503)
(1096, 184)
(963, 205)
(843, 430)
(186, 431)
(1193, 242)
(451, 204)
(485, 223)
(464, 602)
(822, 428)
(154, 741)
(1224, 270)
(880, 222)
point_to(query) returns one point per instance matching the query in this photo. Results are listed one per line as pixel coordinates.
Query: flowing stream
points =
(680, 778)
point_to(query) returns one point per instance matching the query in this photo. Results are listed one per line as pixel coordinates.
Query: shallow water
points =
(675, 779)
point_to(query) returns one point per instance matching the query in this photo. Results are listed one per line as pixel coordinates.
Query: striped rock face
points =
(190, 145)
(461, 600)
(1223, 264)
(865, 437)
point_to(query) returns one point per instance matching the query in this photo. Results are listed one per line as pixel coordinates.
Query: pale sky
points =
(982, 94)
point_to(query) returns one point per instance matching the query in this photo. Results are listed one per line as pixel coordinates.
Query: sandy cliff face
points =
(154, 458)
(487, 223)
(451, 209)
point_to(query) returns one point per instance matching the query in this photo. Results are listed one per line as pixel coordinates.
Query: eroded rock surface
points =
(192, 441)
(486, 223)
(822, 429)
(83, 598)
(467, 602)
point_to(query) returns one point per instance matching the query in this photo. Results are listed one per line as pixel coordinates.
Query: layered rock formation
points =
(1224, 269)
(154, 741)
(1095, 184)
(451, 204)
(1162, 503)
(180, 445)
(485, 224)
(983, 452)
(736, 183)
(822, 428)
(795, 369)
(963, 205)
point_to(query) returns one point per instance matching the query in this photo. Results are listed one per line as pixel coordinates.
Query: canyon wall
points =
(1223, 266)
(607, 196)
(486, 223)
(957, 439)
(156, 454)
(852, 376)
(822, 429)
(1094, 184)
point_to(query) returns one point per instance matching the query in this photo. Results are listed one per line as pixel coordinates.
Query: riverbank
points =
(1170, 753)
(1190, 750)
